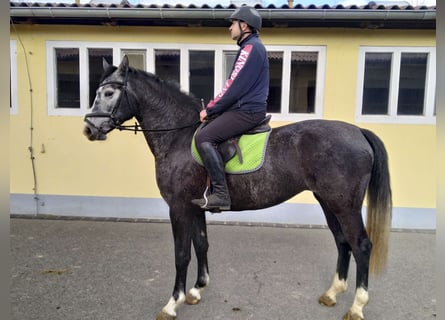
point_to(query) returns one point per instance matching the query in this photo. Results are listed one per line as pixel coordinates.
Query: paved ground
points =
(94, 270)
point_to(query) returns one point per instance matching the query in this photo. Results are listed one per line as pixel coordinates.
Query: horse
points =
(338, 162)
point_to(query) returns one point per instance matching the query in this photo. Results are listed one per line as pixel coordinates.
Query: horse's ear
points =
(123, 67)
(105, 64)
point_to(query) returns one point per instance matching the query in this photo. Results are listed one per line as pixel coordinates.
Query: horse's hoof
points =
(165, 316)
(193, 296)
(350, 316)
(327, 301)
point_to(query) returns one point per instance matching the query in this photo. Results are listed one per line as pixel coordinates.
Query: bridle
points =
(111, 115)
(117, 124)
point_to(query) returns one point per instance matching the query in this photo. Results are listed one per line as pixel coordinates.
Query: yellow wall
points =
(67, 164)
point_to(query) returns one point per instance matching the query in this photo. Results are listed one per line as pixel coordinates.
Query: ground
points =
(92, 270)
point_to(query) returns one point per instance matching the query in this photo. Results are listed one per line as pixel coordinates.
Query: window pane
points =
(67, 78)
(167, 64)
(275, 82)
(412, 83)
(303, 82)
(136, 58)
(229, 60)
(376, 83)
(95, 69)
(202, 74)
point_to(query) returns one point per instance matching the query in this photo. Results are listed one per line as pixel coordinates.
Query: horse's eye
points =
(108, 94)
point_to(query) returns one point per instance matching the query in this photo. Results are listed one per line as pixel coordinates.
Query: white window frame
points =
(284, 115)
(13, 60)
(119, 47)
(430, 87)
(51, 79)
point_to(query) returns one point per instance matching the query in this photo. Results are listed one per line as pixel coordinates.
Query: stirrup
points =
(203, 203)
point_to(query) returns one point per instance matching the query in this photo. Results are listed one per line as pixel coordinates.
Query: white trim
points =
(84, 91)
(151, 60)
(184, 70)
(13, 88)
(184, 49)
(285, 90)
(430, 87)
(218, 81)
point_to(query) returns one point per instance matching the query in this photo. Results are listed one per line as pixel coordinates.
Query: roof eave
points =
(215, 17)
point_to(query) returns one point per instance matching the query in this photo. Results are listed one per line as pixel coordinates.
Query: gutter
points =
(219, 14)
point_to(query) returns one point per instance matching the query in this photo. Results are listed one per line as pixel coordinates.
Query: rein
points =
(116, 122)
(136, 127)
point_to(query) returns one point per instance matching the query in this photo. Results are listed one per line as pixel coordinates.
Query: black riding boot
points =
(219, 200)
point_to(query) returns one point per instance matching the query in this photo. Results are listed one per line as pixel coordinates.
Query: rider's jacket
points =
(247, 87)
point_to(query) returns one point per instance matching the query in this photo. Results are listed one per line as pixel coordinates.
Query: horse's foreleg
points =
(201, 245)
(169, 310)
(182, 238)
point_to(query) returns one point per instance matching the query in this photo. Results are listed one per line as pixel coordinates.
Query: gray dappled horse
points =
(337, 161)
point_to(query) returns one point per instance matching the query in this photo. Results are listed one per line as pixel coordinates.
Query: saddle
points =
(228, 149)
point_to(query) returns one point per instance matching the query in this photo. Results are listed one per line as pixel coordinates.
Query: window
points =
(75, 69)
(13, 108)
(202, 74)
(67, 78)
(136, 58)
(396, 85)
(167, 64)
(412, 81)
(303, 78)
(296, 82)
(95, 69)
(275, 81)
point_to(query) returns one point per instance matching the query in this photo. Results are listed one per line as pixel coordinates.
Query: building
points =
(371, 65)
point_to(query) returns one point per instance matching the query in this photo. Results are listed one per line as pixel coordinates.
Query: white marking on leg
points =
(337, 286)
(172, 305)
(207, 279)
(361, 299)
(194, 294)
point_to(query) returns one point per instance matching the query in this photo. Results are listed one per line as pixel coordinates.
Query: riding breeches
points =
(227, 125)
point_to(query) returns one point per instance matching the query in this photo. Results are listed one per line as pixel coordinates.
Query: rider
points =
(239, 107)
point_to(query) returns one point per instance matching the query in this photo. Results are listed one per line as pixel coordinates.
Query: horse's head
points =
(110, 107)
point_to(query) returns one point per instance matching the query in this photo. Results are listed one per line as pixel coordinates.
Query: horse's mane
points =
(170, 88)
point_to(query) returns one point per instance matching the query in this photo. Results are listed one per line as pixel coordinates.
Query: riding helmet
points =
(249, 15)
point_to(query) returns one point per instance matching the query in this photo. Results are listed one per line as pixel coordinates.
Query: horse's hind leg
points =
(201, 245)
(351, 236)
(361, 250)
(339, 283)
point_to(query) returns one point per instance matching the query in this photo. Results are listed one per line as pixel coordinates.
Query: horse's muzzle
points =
(93, 133)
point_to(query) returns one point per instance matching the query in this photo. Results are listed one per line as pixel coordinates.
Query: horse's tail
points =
(379, 202)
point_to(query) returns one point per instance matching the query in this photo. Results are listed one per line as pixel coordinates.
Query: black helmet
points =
(249, 15)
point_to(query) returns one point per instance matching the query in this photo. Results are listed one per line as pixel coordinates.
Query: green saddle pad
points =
(253, 150)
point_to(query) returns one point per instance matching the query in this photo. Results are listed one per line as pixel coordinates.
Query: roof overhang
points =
(216, 17)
